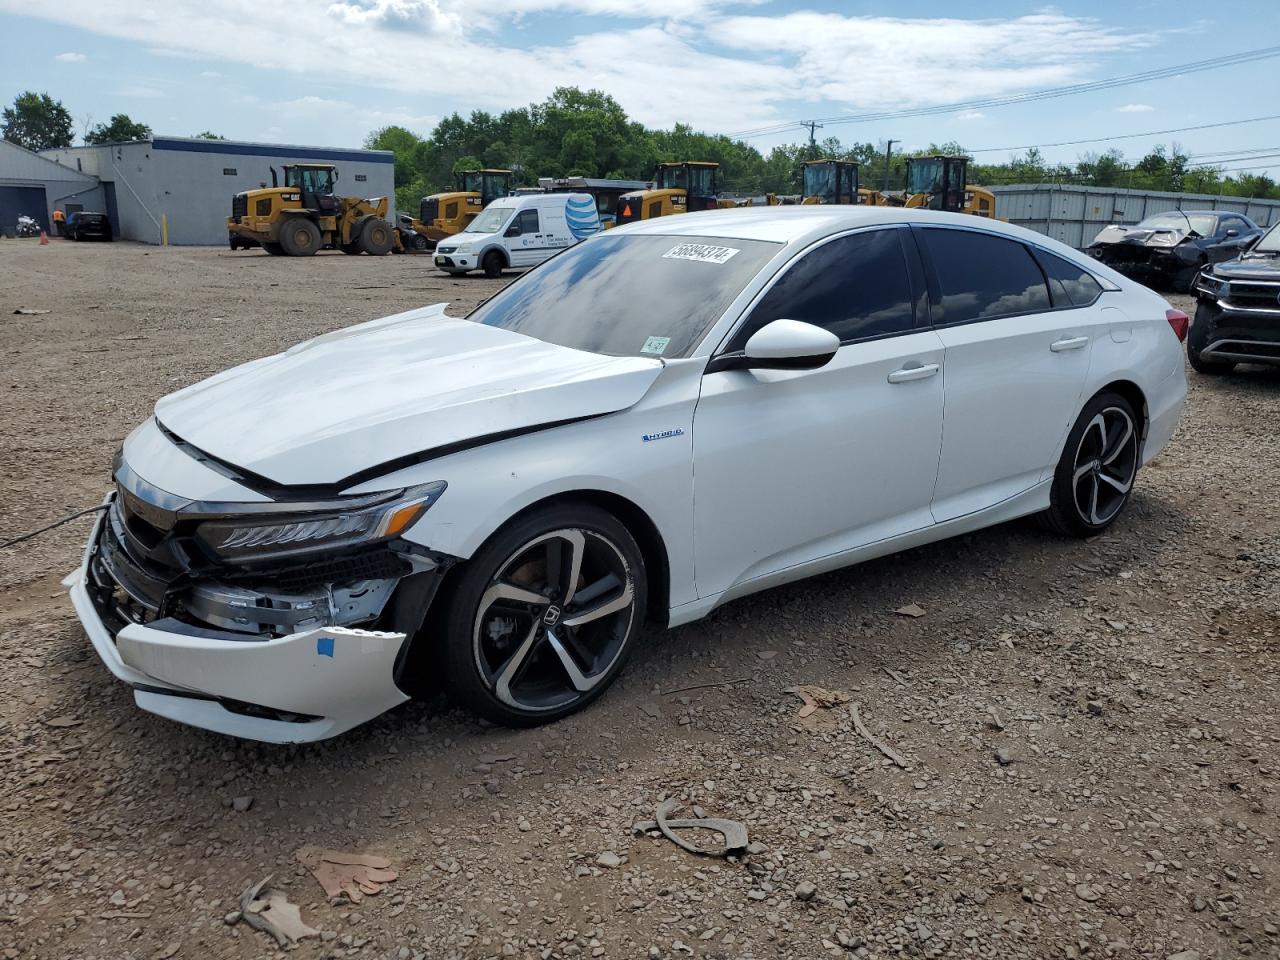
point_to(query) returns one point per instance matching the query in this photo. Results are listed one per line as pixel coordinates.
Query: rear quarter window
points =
(1069, 285)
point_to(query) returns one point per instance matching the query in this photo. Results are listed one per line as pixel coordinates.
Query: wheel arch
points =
(422, 648)
(649, 539)
(1133, 393)
(501, 251)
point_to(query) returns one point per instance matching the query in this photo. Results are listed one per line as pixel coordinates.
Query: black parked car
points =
(1171, 248)
(1238, 310)
(83, 225)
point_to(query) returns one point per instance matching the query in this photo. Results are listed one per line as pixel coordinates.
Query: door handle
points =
(914, 371)
(1068, 343)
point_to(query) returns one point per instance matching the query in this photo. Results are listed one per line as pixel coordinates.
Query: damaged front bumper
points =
(1141, 260)
(305, 685)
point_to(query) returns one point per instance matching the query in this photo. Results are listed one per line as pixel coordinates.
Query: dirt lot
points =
(1090, 729)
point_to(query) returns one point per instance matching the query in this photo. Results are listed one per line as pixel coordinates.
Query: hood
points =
(358, 398)
(1143, 236)
(1249, 268)
(462, 238)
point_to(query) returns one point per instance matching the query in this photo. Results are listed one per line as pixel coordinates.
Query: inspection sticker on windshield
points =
(702, 252)
(655, 345)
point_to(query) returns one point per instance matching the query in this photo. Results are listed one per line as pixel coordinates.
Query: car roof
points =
(805, 224)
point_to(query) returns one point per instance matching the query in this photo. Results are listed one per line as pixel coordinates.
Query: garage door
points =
(22, 201)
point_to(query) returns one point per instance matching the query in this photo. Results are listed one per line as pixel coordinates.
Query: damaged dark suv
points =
(1238, 310)
(1171, 248)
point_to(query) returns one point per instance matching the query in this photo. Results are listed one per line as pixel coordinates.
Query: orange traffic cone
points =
(44, 239)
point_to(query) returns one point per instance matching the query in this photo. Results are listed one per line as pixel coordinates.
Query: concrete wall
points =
(1074, 215)
(189, 183)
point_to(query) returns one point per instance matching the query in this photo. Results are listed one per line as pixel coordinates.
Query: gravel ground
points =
(1089, 730)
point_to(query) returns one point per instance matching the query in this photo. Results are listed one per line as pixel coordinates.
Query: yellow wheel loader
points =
(444, 214)
(830, 181)
(677, 188)
(304, 216)
(938, 183)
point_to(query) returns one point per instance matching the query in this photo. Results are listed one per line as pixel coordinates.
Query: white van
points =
(519, 232)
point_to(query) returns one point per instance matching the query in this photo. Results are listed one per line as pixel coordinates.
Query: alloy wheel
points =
(554, 620)
(1105, 465)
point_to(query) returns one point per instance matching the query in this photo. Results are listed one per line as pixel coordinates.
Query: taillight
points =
(1179, 321)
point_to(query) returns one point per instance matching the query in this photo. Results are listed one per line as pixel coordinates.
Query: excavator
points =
(444, 214)
(305, 215)
(677, 188)
(938, 183)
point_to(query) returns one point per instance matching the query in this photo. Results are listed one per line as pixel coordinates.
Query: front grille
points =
(1249, 295)
(240, 205)
(430, 209)
(373, 565)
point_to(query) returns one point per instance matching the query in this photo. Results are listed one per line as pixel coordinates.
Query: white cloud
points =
(71, 58)
(971, 115)
(210, 74)
(685, 61)
(1135, 108)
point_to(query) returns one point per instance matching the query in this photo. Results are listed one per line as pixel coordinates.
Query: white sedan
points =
(658, 420)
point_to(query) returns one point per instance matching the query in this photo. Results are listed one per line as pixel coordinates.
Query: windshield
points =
(1200, 223)
(1270, 242)
(820, 181)
(489, 221)
(629, 296)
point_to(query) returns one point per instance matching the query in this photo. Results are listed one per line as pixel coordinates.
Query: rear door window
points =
(981, 277)
(1070, 285)
(856, 286)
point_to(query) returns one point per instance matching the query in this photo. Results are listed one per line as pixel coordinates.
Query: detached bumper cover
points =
(293, 689)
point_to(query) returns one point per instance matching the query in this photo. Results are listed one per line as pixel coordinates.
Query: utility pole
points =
(813, 143)
(888, 150)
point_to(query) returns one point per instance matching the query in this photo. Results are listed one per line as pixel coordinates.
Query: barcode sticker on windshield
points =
(702, 252)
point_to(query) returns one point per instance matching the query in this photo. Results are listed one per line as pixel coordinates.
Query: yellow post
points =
(164, 229)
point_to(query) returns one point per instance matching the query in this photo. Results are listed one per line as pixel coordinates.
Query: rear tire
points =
(1199, 337)
(521, 644)
(351, 249)
(300, 237)
(493, 264)
(1094, 477)
(375, 237)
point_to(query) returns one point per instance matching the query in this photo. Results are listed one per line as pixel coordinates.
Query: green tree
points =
(38, 122)
(207, 135)
(119, 129)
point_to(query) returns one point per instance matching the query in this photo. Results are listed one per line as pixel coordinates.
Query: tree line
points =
(587, 133)
(39, 122)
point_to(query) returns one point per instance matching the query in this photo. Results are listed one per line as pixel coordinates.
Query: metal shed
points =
(181, 187)
(33, 186)
(1074, 215)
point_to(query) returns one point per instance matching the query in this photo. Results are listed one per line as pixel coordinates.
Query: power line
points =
(1130, 136)
(1161, 73)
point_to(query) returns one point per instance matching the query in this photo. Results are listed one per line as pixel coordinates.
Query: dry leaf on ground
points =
(352, 875)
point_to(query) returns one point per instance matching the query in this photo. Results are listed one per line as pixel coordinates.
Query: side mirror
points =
(782, 345)
(1232, 232)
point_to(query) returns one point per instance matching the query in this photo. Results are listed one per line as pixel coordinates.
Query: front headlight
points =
(251, 538)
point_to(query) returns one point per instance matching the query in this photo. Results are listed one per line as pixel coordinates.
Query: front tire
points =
(1199, 337)
(300, 238)
(544, 616)
(1094, 477)
(493, 264)
(375, 237)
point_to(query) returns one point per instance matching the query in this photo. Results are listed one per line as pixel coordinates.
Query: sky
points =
(326, 73)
